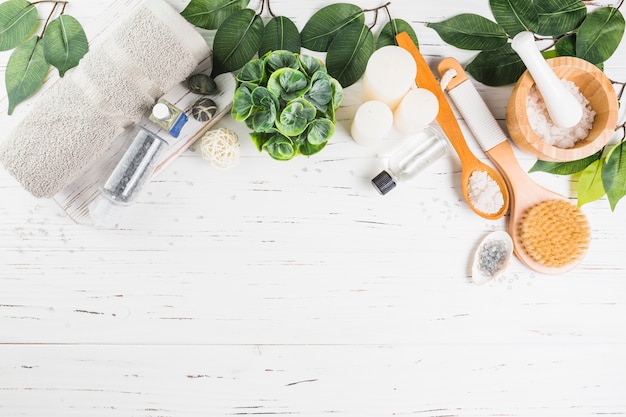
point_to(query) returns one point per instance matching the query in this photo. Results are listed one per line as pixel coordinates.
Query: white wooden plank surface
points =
(294, 288)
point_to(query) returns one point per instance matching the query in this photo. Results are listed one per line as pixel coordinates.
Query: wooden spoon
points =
(525, 193)
(450, 126)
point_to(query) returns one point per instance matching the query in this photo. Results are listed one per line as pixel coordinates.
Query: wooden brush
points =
(550, 234)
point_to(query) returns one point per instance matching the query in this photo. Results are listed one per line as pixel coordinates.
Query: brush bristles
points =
(555, 233)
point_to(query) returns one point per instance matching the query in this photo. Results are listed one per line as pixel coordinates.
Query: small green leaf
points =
(26, 71)
(557, 17)
(310, 65)
(565, 168)
(614, 174)
(515, 16)
(471, 31)
(295, 117)
(280, 59)
(210, 14)
(259, 139)
(288, 84)
(389, 32)
(496, 68)
(599, 35)
(327, 22)
(279, 147)
(321, 92)
(319, 131)
(64, 43)
(590, 186)
(237, 41)
(348, 54)
(280, 34)
(18, 18)
(253, 72)
(242, 103)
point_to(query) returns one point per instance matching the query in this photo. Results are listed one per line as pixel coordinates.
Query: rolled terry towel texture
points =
(77, 120)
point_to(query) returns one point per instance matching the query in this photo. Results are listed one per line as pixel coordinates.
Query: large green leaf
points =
(237, 41)
(515, 16)
(26, 71)
(327, 22)
(210, 14)
(557, 17)
(471, 31)
(389, 32)
(17, 19)
(599, 35)
(590, 187)
(348, 54)
(64, 43)
(614, 174)
(280, 34)
(495, 68)
(565, 168)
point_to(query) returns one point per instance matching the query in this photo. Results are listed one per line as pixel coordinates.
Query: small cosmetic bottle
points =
(419, 152)
(128, 177)
(168, 117)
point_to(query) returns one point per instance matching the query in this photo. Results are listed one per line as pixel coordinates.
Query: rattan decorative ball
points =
(220, 147)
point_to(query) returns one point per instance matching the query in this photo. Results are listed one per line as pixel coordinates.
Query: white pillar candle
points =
(389, 74)
(417, 109)
(372, 121)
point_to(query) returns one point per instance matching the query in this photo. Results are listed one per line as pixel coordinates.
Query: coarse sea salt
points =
(484, 193)
(547, 130)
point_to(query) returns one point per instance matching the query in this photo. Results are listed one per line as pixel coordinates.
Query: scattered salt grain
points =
(545, 128)
(484, 193)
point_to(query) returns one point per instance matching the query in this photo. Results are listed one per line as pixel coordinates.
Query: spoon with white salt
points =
(562, 106)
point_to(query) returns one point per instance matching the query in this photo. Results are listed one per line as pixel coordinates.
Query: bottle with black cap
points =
(413, 157)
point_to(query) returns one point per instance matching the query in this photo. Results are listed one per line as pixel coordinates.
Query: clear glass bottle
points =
(128, 177)
(168, 117)
(418, 152)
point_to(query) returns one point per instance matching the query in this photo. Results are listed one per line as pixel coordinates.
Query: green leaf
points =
(389, 32)
(253, 72)
(265, 107)
(307, 148)
(614, 174)
(210, 14)
(259, 139)
(348, 54)
(590, 186)
(310, 65)
(18, 18)
(237, 41)
(321, 92)
(279, 147)
(64, 43)
(319, 131)
(320, 30)
(280, 34)
(281, 59)
(599, 35)
(295, 117)
(565, 168)
(558, 17)
(515, 16)
(471, 31)
(496, 68)
(242, 103)
(566, 46)
(288, 84)
(26, 71)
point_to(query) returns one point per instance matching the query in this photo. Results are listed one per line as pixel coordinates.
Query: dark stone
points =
(204, 109)
(201, 84)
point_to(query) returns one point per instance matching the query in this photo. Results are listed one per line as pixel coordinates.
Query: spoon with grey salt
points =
(562, 106)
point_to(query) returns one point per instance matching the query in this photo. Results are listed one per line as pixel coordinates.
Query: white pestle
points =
(562, 106)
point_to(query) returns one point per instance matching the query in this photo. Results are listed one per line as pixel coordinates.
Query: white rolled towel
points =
(76, 121)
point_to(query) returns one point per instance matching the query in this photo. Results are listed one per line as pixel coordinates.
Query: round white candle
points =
(389, 74)
(372, 121)
(418, 108)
